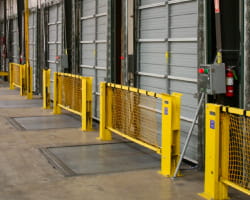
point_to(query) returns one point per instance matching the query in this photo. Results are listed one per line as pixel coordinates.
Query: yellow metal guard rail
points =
(74, 93)
(18, 77)
(46, 88)
(146, 118)
(4, 73)
(227, 151)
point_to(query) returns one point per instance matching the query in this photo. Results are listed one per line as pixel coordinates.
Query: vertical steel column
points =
(138, 44)
(57, 42)
(213, 188)
(105, 134)
(96, 54)
(28, 68)
(167, 48)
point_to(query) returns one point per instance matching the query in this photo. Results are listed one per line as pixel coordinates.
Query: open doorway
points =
(231, 28)
(122, 42)
(116, 40)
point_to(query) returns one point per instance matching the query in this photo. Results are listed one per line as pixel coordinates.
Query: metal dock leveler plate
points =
(146, 118)
(19, 78)
(227, 151)
(45, 122)
(100, 158)
(20, 103)
(74, 93)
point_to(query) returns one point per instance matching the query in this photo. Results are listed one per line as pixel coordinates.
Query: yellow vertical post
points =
(109, 108)
(86, 104)
(219, 57)
(11, 76)
(29, 82)
(28, 68)
(213, 188)
(176, 131)
(56, 108)
(46, 88)
(166, 138)
(89, 103)
(225, 141)
(21, 79)
(105, 134)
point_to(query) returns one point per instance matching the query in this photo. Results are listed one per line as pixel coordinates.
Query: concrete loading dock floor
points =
(25, 173)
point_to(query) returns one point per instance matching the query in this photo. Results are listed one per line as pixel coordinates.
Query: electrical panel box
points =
(64, 62)
(212, 78)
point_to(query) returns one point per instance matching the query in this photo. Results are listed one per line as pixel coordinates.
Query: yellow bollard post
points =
(11, 77)
(170, 148)
(29, 82)
(213, 188)
(22, 79)
(86, 104)
(56, 108)
(176, 132)
(225, 142)
(46, 88)
(166, 138)
(105, 134)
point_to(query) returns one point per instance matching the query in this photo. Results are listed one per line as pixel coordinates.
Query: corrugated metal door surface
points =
(167, 55)
(94, 45)
(54, 41)
(14, 38)
(33, 47)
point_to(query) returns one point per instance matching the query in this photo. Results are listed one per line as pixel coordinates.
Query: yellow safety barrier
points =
(46, 89)
(74, 93)
(4, 73)
(146, 118)
(19, 78)
(227, 151)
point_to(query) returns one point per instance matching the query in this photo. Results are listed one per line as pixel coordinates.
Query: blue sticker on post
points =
(165, 111)
(212, 124)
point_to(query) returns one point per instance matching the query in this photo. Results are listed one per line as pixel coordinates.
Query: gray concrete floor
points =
(25, 173)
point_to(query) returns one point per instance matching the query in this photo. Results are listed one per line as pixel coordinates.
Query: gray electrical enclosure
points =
(212, 79)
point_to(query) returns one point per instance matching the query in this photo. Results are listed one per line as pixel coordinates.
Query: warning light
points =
(201, 71)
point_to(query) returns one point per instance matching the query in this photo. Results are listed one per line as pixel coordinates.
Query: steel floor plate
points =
(101, 158)
(45, 122)
(21, 103)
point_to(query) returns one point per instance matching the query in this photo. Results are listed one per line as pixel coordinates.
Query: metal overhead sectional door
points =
(1, 45)
(167, 55)
(93, 45)
(14, 40)
(54, 41)
(33, 47)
